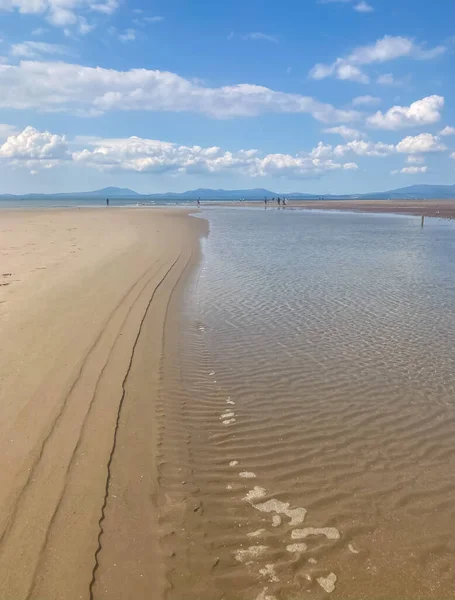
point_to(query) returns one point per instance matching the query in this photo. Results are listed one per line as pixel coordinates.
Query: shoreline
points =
(84, 301)
(443, 209)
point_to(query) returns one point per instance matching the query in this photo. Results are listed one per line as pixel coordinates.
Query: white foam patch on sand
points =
(269, 571)
(328, 583)
(228, 421)
(227, 415)
(313, 561)
(330, 533)
(229, 487)
(255, 494)
(296, 547)
(250, 553)
(264, 596)
(233, 463)
(247, 475)
(276, 521)
(229, 401)
(296, 515)
(212, 373)
(256, 533)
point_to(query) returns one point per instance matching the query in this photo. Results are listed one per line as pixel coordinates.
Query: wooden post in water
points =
(423, 221)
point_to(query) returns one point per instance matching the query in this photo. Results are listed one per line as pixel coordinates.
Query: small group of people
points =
(280, 201)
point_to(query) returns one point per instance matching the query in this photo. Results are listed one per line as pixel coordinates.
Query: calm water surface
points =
(318, 411)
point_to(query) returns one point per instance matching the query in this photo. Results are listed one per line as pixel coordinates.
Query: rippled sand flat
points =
(306, 415)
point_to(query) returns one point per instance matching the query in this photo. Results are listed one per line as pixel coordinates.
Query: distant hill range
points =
(412, 192)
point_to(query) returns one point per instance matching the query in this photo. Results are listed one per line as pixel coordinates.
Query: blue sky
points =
(338, 96)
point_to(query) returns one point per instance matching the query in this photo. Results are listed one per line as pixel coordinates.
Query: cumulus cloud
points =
(415, 159)
(33, 145)
(365, 100)
(412, 145)
(383, 50)
(447, 131)
(258, 36)
(36, 150)
(425, 142)
(347, 132)
(363, 7)
(341, 69)
(61, 13)
(31, 49)
(422, 112)
(362, 148)
(411, 170)
(59, 86)
(452, 155)
(154, 156)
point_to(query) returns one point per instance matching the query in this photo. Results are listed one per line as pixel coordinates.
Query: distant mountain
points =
(107, 192)
(413, 192)
(430, 192)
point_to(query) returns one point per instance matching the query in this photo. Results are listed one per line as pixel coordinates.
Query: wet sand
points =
(428, 208)
(306, 420)
(84, 297)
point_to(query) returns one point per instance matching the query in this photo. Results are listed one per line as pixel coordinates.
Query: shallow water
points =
(307, 431)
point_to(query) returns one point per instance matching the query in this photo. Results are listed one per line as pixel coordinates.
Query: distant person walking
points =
(199, 202)
(284, 201)
(265, 200)
(279, 201)
(107, 201)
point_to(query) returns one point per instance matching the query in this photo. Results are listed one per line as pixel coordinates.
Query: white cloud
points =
(32, 49)
(388, 79)
(383, 50)
(258, 36)
(415, 159)
(154, 156)
(345, 71)
(362, 148)
(363, 7)
(411, 170)
(425, 142)
(365, 100)
(59, 86)
(340, 69)
(129, 35)
(452, 155)
(447, 131)
(422, 112)
(31, 144)
(413, 145)
(35, 150)
(357, 147)
(346, 132)
(142, 21)
(61, 13)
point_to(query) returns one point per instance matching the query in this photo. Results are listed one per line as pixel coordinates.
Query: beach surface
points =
(428, 208)
(84, 297)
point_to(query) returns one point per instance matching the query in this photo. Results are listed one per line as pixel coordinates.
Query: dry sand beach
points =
(84, 295)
